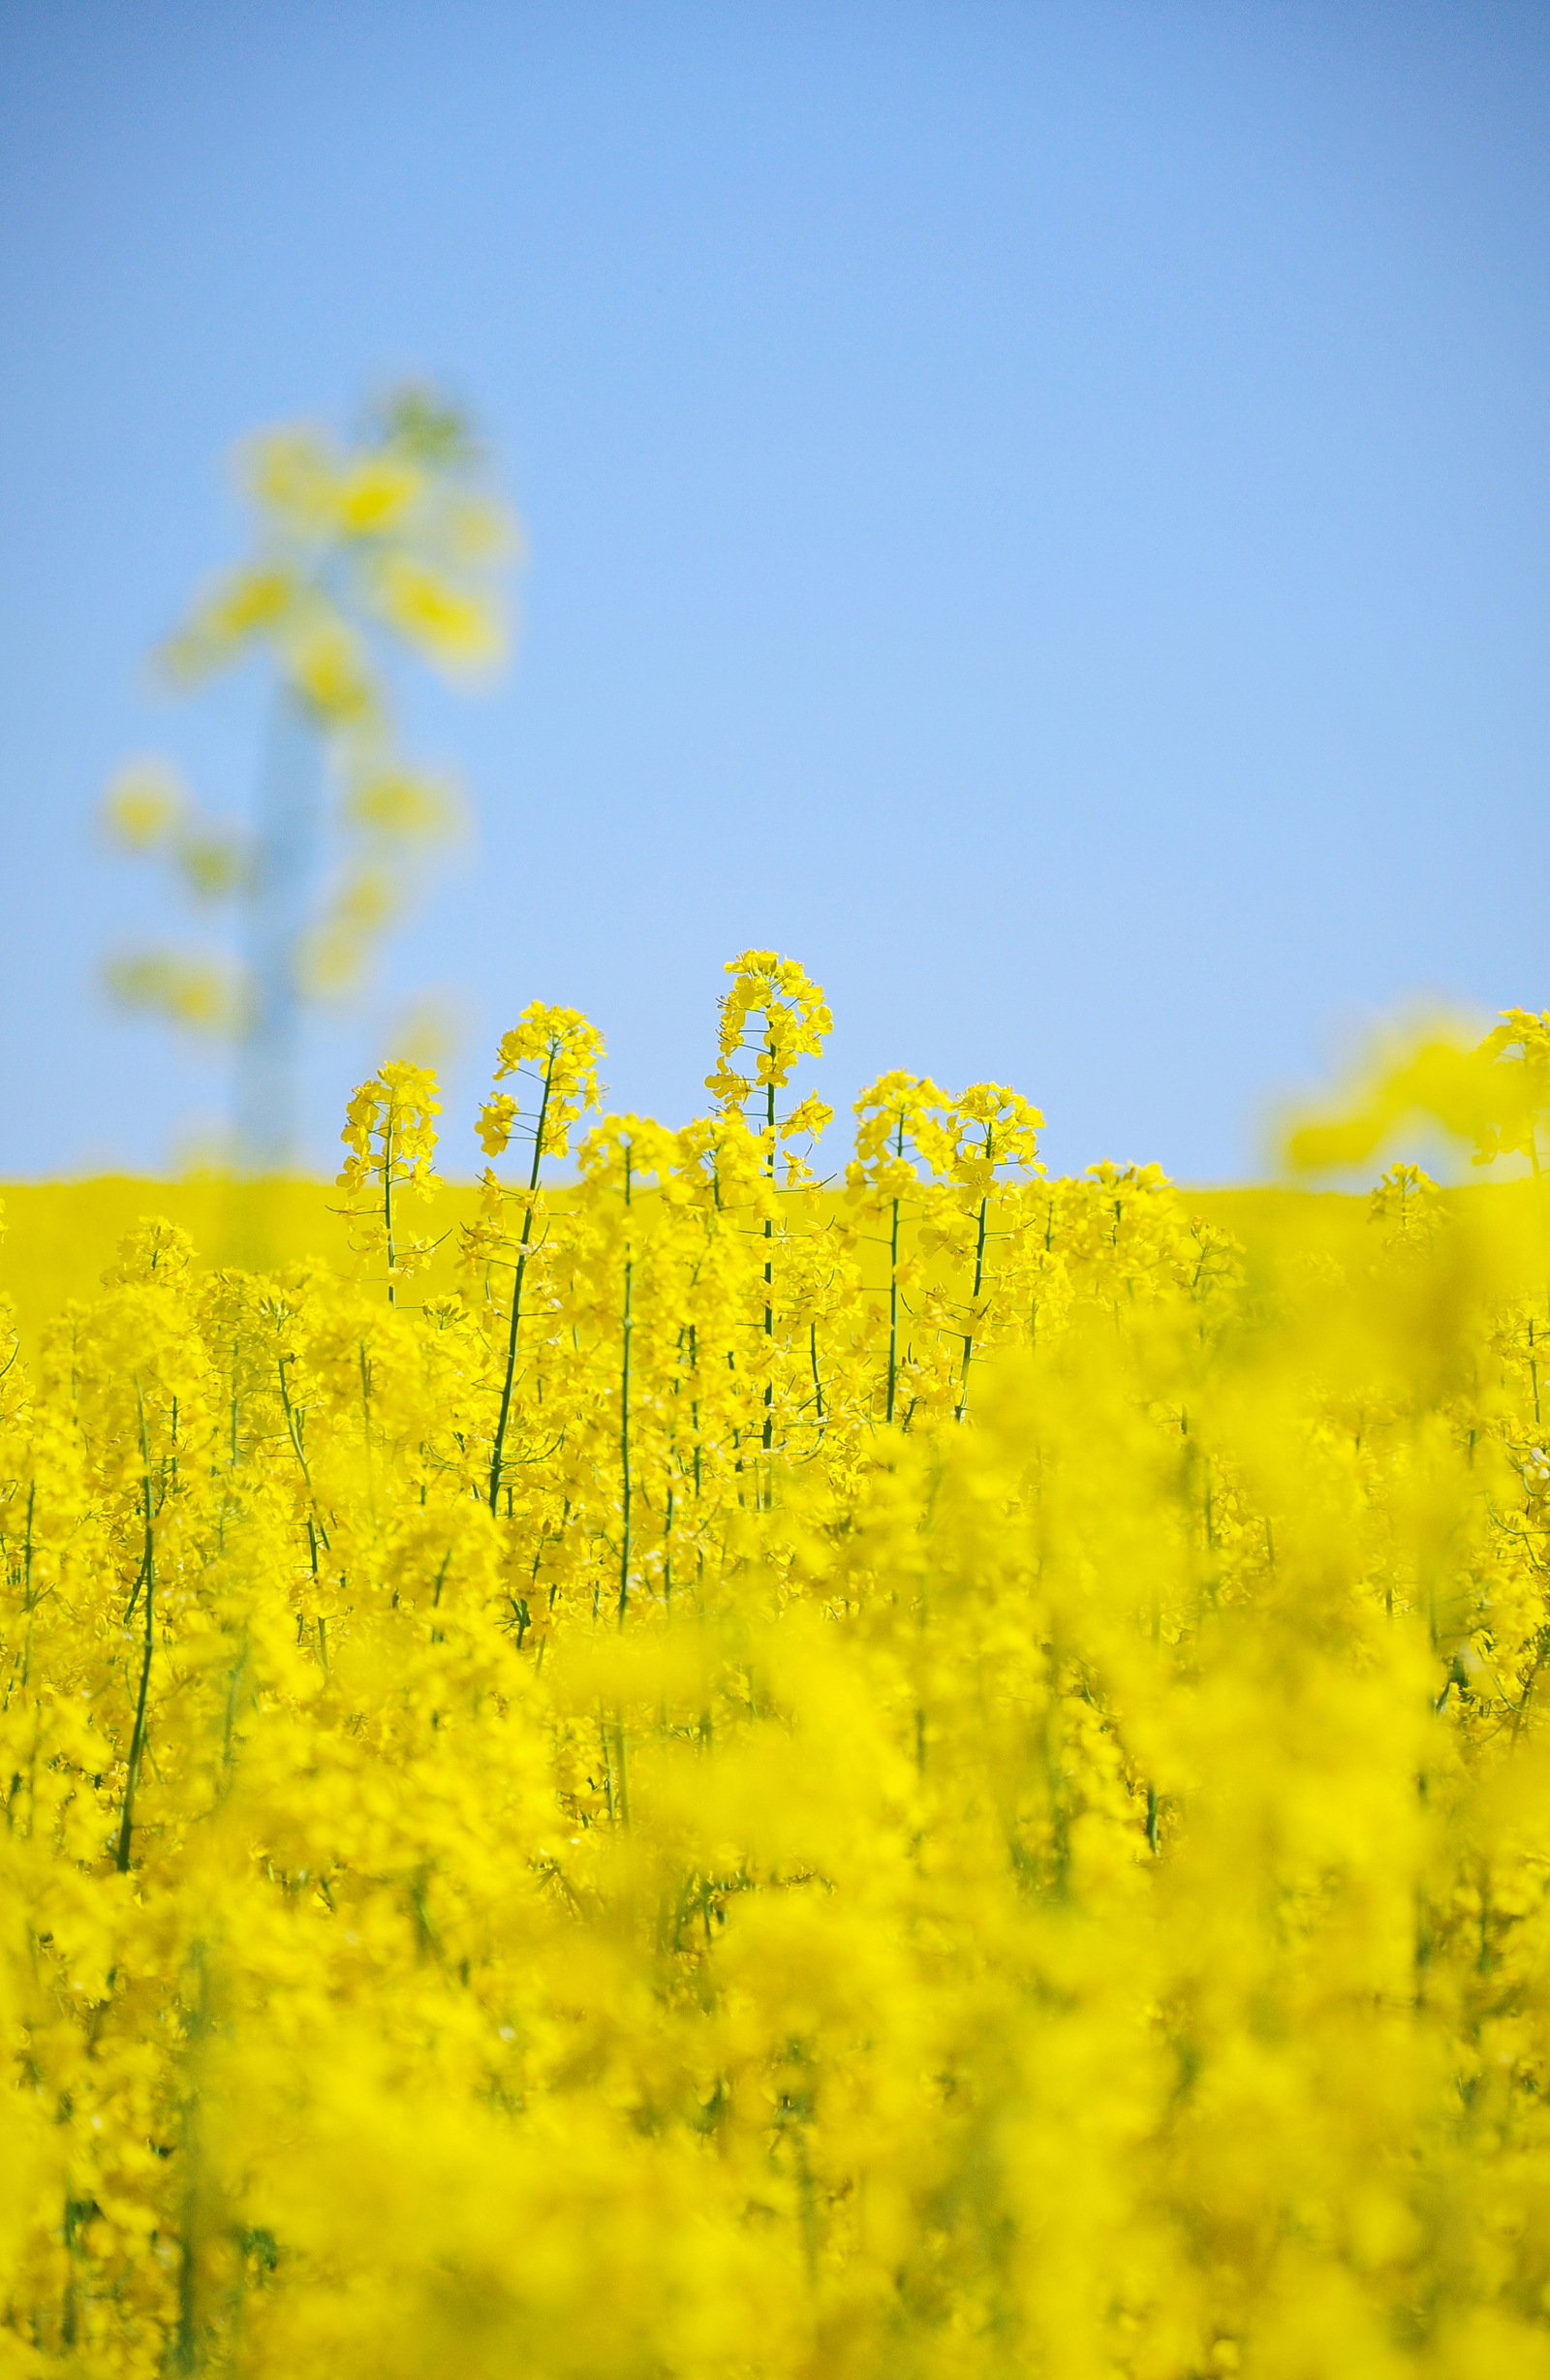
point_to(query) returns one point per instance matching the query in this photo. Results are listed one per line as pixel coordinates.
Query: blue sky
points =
(1038, 511)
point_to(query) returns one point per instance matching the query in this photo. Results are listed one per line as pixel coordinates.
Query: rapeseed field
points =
(691, 1772)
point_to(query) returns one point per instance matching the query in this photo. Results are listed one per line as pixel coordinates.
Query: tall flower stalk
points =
(774, 1015)
(394, 543)
(391, 1132)
(555, 1054)
(900, 1124)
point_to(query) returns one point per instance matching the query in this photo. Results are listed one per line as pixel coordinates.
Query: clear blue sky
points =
(1039, 509)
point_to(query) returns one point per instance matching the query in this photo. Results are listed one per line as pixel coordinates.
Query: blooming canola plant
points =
(939, 1777)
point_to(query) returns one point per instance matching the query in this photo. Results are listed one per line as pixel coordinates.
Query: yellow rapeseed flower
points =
(645, 1814)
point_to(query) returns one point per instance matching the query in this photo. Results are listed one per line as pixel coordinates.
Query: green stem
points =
(893, 1290)
(497, 1453)
(136, 1741)
(187, 2356)
(980, 1277)
(387, 1193)
(625, 1542)
(769, 1252)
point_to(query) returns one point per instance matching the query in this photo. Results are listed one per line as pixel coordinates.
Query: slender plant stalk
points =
(187, 2343)
(626, 1516)
(979, 1278)
(769, 1249)
(387, 1193)
(290, 808)
(893, 1290)
(498, 1450)
(1538, 1169)
(136, 1741)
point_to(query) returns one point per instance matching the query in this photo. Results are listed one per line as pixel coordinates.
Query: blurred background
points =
(1038, 510)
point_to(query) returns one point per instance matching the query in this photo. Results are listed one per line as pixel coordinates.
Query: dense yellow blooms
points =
(794, 1022)
(548, 1834)
(391, 1133)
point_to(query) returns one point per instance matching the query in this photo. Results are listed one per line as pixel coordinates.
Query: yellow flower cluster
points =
(391, 530)
(391, 1133)
(942, 1778)
(773, 1014)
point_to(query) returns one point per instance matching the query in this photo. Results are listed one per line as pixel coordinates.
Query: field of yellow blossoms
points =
(669, 1773)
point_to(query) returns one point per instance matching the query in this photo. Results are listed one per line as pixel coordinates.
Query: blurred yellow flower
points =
(203, 995)
(144, 803)
(453, 626)
(396, 538)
